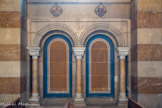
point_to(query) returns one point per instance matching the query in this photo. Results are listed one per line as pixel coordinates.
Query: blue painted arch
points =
(45, 58)
(109, 41)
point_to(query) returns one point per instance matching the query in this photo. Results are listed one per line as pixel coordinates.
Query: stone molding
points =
(52, 28)
(109, 29)
(34, 52)
(79, 52)
(123, 52)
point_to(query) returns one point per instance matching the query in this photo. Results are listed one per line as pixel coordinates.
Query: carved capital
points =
(123, 52)
(79, 52)
(34, 52)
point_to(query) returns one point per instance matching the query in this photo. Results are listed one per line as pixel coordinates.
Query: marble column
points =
(34, 52)
(122, 53)
(79, 100)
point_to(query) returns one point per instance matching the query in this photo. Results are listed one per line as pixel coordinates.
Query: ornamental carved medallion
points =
(56, 10)
(100, 10)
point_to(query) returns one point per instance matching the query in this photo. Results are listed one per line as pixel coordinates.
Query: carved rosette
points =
(100, 10)
(56, 10)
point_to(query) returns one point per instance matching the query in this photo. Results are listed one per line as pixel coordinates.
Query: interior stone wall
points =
(145, 41)
(12, 51)
(78, 17)
(147, 52)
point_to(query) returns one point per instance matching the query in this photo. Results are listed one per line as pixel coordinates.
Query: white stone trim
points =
(123, 52)
(79, 52)
(34, 52)
(79, 96)
(34, 97)
(122, 96)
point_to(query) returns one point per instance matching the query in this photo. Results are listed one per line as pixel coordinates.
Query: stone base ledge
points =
(123, 103)
(79, 102)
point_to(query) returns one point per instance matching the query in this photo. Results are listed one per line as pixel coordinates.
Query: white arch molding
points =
(54, 28)
(104, 29)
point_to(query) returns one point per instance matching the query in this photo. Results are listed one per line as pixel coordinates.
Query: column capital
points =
(34, 52)
(79, 52)
(123, 52)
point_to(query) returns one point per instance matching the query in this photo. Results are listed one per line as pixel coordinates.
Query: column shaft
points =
(122, 76)
(79, 99)
(34, 52)
(35, 76)
(79, 86)
(123, 100)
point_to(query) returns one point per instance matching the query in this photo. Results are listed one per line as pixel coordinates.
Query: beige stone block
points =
(118, 11)
(10, 52)
(149, 68)
(35, 26)
(9, 19)
(9, 5)
(120, 26)
(74, 26)
(8, 83)
(150, 5)
(149, 36)
(8, 97)
(149, 52)
(9, 35)
(149, 19)
(9, 68)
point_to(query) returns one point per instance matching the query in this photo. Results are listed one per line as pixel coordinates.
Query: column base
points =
(123, 100)
(35, 99)
(79, 100)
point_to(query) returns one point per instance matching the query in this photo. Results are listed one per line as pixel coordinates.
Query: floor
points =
(78, 107)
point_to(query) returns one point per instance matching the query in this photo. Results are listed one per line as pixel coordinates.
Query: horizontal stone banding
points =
(12, 52)
(146, 68)
(150, 5)
(146, 85)
(10, 69)
(10, 36)
(9, 19)
(149, 35)
(149, 20)
(10, 5)
(12, 85)
(147, 52)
